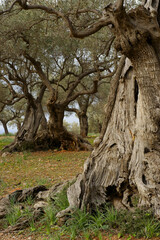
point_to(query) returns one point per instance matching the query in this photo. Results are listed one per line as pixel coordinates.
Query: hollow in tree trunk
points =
(126, 159)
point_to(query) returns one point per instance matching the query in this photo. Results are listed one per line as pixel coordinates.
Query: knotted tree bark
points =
(126, 159)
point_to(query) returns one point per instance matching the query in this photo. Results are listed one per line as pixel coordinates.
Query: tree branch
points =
(92, 91)
(9, 9)
(80, 77)
(103, 21)
(41, 93)
(119, 5)
(41, 74)
(68, 109)
(89, 30)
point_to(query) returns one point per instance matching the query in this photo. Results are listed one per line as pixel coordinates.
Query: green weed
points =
(81, 223)
(29, 201)
(79, 219)
(57, 237)
(49, 217)
(100, 236)
(98, 221)
(32, 224)
(28, 214)
(61, 200)
(137, 224)
(152, 229)
(111, 216)
(129, 238)
(14, 213)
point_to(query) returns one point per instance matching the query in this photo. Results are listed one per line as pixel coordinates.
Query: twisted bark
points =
(127, 159)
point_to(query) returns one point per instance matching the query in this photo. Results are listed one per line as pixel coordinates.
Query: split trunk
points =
(64, 139)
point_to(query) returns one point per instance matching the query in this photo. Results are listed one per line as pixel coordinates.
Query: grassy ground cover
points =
(5, 141)
(27, 169)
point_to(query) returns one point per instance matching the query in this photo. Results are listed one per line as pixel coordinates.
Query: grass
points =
(83, 225)
(5, 140)
(121, 223)
(39, 168)
(15, 212)
(26, 169)
(13, 215)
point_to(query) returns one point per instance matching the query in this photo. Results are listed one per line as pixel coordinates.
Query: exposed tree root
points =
(44, 141)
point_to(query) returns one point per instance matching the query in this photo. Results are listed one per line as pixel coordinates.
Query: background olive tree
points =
(56, 66)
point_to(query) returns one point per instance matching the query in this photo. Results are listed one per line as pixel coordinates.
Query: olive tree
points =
(65, 67)
(126, 158)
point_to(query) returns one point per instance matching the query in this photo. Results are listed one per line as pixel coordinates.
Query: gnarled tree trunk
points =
(61, 137)
(26, 136)
(126, 159)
